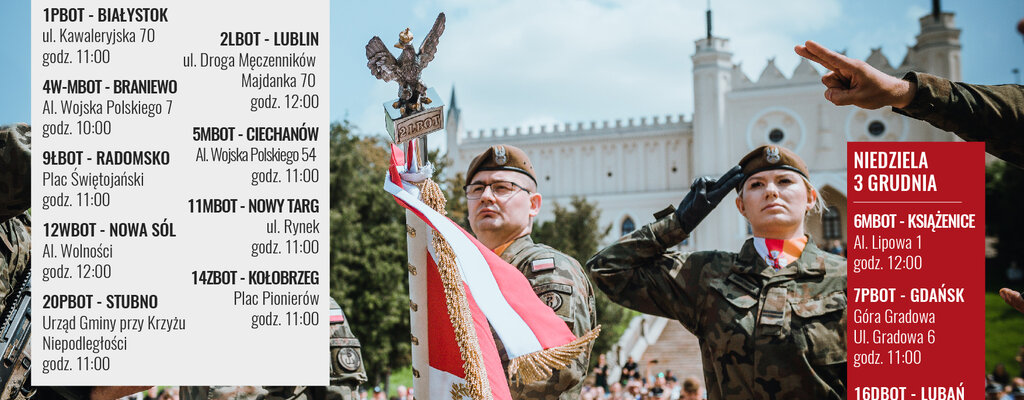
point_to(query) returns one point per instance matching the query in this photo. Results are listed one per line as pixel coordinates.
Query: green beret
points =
(501, 157)
(770, 157)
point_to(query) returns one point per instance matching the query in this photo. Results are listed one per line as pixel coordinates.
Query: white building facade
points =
(633, 167)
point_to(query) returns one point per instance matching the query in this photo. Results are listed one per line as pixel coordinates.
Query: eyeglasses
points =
(500, 189)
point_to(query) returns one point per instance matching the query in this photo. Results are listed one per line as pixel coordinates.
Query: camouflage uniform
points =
(993, 114)
(15, 200)
(15, 228)
(16, 244)
(347, 373)
(764, 333)
(566, 289)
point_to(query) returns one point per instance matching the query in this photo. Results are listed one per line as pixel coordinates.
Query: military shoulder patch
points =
(554, 295)
(349, 359)
(543, 264)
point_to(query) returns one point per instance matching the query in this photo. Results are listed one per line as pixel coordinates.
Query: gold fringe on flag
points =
(539, 365)
(460, 391)
(476, 386)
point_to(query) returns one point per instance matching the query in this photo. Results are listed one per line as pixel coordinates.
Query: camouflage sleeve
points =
(567, 291)
(15, 172)
(640, 273)
(992, 114)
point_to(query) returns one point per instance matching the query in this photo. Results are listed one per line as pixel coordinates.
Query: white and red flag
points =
(469, 291)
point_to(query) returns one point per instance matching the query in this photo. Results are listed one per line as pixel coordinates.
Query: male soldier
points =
(502, 197)
(16, 262)
(347, 373)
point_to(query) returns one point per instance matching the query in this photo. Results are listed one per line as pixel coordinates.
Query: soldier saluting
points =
(771, 319)
(502, 197)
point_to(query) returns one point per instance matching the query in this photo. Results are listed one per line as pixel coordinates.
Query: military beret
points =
(770, 157)
(501, 157)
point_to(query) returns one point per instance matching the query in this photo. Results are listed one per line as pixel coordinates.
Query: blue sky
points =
(519, 63)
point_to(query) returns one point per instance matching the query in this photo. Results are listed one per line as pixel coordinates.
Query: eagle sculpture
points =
(406, 69)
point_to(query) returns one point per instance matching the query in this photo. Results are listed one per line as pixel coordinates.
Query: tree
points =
(1004, 184)
(368, 251)
(576, 232)
(457, 208)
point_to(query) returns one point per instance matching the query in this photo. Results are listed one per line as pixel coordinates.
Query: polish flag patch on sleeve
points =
(543, 264)
(337, 315)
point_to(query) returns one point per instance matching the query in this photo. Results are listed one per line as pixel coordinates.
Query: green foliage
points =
(402, 377)
(368, 251)
(452, 187)
(1004, 326)
(1004, 334)
(575, 231)
(457, 208)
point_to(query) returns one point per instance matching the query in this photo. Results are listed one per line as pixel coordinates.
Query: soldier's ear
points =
(535, 201)
(739, 206)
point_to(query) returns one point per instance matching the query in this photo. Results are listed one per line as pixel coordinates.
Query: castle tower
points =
(711, 155)
(453, 126)
(937, 51)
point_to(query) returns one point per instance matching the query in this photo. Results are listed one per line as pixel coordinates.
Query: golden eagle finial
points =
(404, 39)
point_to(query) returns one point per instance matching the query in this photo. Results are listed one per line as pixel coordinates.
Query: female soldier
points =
(772, 318)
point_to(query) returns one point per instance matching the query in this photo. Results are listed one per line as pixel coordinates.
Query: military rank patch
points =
(543, 264)
(774, 310)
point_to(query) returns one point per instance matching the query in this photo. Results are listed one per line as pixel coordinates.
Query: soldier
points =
(347, 373)
(771, 318)
(16, 262)
(502, 198)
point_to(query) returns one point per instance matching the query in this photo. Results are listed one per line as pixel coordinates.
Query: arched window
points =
(831, 226)
(628, 226)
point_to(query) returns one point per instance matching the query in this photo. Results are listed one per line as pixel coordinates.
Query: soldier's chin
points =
(775, 222)
(488, 225)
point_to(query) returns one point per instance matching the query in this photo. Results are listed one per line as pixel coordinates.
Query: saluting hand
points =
(852, 81)
(705, 194)
(1013, 298)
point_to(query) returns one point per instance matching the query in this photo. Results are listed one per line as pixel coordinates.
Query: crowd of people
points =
(634, 384)
(254, 392)
(999, 385)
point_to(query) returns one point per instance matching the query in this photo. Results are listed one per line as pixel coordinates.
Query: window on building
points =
(628, 226)
(831, 226)
(876, 128)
